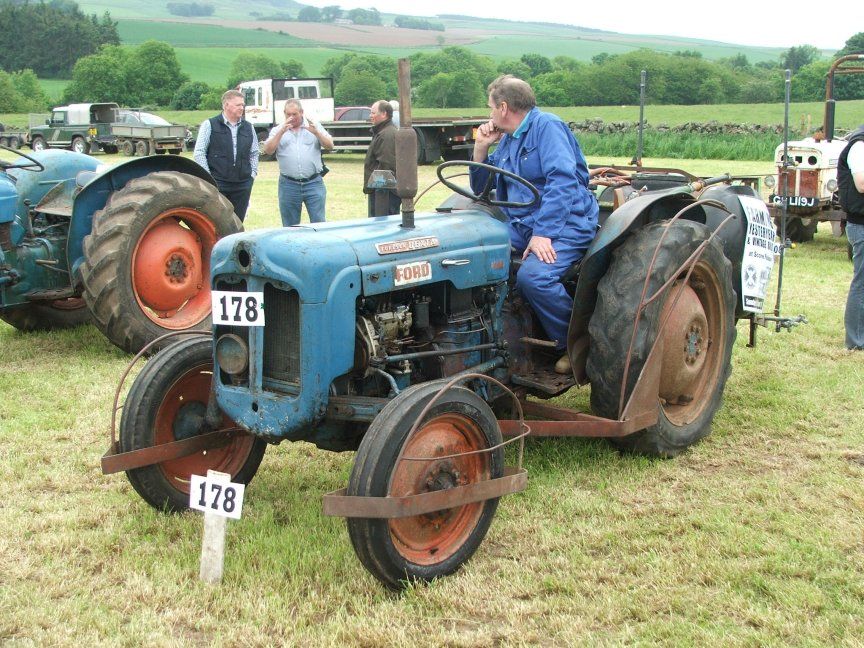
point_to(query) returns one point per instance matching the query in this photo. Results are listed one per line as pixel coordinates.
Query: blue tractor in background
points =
(349, 335)
(126, 247)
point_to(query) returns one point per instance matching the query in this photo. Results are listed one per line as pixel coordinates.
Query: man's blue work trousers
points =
(540, 283)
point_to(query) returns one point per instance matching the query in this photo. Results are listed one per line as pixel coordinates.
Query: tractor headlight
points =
(831, 185)
(232, 354)
(770, 181)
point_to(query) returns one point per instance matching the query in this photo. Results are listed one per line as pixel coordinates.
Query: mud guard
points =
(633, 214)
(96, 192)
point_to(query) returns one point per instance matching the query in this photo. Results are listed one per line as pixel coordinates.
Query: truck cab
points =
(265, 100)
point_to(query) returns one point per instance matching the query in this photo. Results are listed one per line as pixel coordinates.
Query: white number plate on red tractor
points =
(238, 308)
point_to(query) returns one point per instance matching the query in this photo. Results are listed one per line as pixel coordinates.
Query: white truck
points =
(450, 138)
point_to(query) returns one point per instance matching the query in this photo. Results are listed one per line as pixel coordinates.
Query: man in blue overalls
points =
(551, 235)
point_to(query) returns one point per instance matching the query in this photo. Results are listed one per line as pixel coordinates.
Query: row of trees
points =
(457, 77)
(412, 22)
(332, 13)
(453, 77)
(49, 37)
(20, 92)
(190, 8)
(147, 75)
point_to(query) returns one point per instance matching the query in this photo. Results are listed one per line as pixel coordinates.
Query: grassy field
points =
(753, 537)
(807, 114)
(185, 34)
(212, 65)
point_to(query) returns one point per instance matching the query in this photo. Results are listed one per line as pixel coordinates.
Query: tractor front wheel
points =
(167, 402)
(146, 267)
(424, 547)
(799, 230)
(48, 316)
(696, 340)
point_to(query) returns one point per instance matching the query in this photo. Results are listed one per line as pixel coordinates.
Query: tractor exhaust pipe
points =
(406, 148)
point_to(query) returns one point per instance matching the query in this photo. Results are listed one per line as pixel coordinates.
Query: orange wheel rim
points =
(693, 341)
(171, 268)
(434, 537)
(179, 414)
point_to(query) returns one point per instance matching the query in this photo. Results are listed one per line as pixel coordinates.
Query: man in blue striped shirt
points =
(227, 148)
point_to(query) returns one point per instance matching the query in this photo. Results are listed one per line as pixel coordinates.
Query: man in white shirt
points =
(298, 143)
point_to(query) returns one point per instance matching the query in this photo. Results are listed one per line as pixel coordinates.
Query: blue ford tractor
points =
(126, 247)
(402, 339)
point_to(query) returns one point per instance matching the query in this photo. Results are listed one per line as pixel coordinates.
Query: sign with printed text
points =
(407, 245)
(217, 495)
(411, 273)
(238, 308)
(760, 246)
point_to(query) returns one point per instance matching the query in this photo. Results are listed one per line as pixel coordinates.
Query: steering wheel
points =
(34, 163)
(484, 195)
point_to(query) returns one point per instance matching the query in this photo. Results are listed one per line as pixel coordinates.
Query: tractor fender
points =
(98, 188)
(633, 214)
(733, 234)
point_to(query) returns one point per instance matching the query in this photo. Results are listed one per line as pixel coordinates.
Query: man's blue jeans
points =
(293, 195)
(854, 318)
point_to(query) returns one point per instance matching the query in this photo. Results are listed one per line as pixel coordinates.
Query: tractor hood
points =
(467, 248)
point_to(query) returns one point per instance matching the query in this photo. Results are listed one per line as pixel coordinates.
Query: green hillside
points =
(225, 9)
(185, 34)
(211, 65)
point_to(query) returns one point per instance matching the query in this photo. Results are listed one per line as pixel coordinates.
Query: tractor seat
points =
(83, 178)
(568, 278)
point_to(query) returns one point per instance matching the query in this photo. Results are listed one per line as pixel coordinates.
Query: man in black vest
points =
(227, 148)
(850, 188)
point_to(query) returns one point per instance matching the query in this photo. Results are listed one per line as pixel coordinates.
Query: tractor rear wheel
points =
(48, 316)
(146, 267)
(166, 403)
(697, 339)
(424, 547)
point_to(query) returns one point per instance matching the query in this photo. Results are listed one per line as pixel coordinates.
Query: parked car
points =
(352, 113)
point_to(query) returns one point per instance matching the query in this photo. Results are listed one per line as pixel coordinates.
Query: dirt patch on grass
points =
(361, 35)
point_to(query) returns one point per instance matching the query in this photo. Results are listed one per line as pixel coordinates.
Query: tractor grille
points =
(802, 182)
(282, 335)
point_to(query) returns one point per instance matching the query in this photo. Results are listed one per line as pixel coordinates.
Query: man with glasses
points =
(227, 148)
(553, 234)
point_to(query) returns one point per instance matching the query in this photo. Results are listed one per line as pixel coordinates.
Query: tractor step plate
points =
(547, 382)
(49, 295)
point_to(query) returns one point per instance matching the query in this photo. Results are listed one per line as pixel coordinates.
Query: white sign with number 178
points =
(217, 496)
(237, 308)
